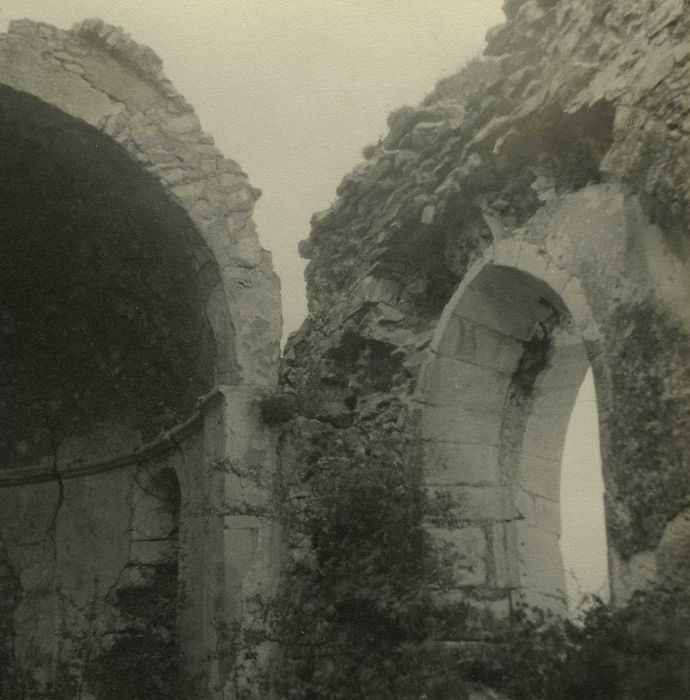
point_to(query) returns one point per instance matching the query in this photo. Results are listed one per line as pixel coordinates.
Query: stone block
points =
(467, 549)
(492, 312)
(544, 437)
(557, 604)
(673, 555)
(379, 290)
(507, 252)
(557, 277)
(505, 571)
(550, 425)
(540, 561)
(540, 476)
(460, 425)
(489, 600)
(469, 342)
(450, 382)
(455, 341)
(554, 400)
(574, 298)
(637, 572)
(538, 511)
(532, 261)
(517, 291)
(481, 503)
(240, 551)
(567, 368)
(152, 518)
(447, 463)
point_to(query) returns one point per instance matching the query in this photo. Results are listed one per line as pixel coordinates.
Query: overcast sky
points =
(293, 90)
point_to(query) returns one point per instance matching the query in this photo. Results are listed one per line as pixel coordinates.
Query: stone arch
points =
(510, 353)
(145, 317)
(99, 76)
(111, 323)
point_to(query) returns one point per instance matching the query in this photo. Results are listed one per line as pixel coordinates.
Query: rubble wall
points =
(529, 219)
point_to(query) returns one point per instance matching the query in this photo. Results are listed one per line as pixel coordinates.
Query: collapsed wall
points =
(140, 316)
(529, 219)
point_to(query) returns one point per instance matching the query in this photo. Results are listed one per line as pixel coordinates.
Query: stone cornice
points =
(156, 448)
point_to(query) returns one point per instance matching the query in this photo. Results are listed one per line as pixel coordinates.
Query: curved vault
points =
(104, 284)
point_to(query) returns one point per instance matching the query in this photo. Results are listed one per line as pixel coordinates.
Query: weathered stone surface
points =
(534, 222)
(528, 219)
(466, 547)
(134, 290)
(468, 341)
(452, 463)
(673, 556)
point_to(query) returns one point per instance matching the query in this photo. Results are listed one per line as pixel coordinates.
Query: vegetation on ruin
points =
(357, 593)
(357, 602)
(360, 612)
(140, 660)
(360, 615)
(635, 652)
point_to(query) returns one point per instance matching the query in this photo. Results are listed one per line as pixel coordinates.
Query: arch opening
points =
(499, 396)
(583, 529)
(154, 544)
(105, 289)
(145, 600)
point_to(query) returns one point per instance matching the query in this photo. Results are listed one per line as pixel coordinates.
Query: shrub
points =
(635, 652)
(357, 598)
(358, 614)
(369, 151)
(276, 407)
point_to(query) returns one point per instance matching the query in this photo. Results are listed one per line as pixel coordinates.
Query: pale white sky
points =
(293, 90)
(583, 540)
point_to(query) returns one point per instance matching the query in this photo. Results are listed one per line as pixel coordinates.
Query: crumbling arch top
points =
(98, 75)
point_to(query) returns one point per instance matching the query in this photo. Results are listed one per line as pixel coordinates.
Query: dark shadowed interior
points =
(104, 284)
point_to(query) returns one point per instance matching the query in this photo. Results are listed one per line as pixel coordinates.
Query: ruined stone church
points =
(527, 222)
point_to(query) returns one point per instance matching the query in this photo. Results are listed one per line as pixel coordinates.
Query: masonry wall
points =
(153, 547)
(528, 218)
(75, 547)
(558, 161)
(142, 321)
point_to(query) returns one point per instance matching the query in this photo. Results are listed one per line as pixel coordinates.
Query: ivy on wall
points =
(364, 610)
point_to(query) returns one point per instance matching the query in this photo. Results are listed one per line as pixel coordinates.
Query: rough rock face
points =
(139, 317)
(529, 218)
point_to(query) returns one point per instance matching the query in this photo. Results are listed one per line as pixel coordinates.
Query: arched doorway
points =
(509, 360)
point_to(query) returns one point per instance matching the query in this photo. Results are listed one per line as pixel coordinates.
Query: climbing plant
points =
(361, 579)
(633, 652)
(363, 611)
